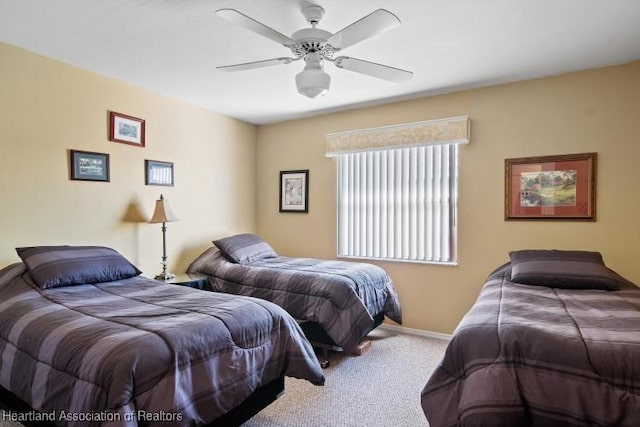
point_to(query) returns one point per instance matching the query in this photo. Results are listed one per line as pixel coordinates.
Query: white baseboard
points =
(419, 332)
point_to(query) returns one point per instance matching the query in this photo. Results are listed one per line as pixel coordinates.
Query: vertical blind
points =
(398, 203)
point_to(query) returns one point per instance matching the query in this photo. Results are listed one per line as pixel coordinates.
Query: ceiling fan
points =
(315, 46)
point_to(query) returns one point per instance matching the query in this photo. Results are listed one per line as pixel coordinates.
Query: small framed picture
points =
(559, 187)
(294, 191)
(158, 173)
(126, 129)
(89, 166)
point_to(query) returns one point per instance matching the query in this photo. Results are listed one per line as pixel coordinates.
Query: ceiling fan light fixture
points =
(313, 82)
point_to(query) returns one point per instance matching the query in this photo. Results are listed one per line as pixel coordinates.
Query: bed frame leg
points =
(324, 363)
(324, 349)
(362, 348)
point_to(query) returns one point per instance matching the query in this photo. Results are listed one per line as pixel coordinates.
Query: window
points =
(398, 204)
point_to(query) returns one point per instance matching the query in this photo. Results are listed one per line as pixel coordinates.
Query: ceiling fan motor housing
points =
(312, 40)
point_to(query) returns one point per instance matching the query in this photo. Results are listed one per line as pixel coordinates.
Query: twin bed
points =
(552, 340)
(337, 303)
(84, 337)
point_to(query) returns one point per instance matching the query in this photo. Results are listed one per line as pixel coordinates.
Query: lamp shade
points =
(162, 212)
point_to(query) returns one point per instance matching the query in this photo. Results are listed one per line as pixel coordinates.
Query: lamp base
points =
(165, 276)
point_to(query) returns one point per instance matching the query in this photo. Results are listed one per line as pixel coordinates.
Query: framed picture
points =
(126, 129)
(158, 173)
(89, 166)
(294, 191)
(551, 187)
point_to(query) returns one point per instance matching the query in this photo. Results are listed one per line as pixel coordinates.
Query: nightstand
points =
(198, 281)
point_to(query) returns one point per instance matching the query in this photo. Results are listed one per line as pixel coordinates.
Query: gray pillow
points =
(244, 248)
(56, 266)
(561, 269)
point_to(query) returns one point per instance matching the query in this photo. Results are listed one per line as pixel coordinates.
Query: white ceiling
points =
(174, 46)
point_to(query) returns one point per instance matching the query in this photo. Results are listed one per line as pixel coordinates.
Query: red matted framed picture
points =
(126, 129)
(551, 187)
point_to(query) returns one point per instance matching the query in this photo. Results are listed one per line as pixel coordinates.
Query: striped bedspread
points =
(530, 355)
(139, 350)
(341, 296)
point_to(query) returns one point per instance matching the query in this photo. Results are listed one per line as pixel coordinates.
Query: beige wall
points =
(596, 110)
(225, 183)
(47, 108)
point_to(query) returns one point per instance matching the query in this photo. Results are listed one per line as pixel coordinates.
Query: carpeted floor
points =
(380, 388)
(7, 423)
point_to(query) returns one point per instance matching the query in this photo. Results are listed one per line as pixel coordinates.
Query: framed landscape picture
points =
(551, 187)
(294, 191)
(126, 129)
(89, 166)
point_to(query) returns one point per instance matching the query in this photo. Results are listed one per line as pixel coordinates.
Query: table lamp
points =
(162, 214)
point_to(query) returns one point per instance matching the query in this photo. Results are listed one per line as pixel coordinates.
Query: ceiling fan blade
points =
(256, 64)
(243, 20)
(375, 23)
(373, 69)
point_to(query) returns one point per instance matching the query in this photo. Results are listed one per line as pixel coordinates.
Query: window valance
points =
(417, 134)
